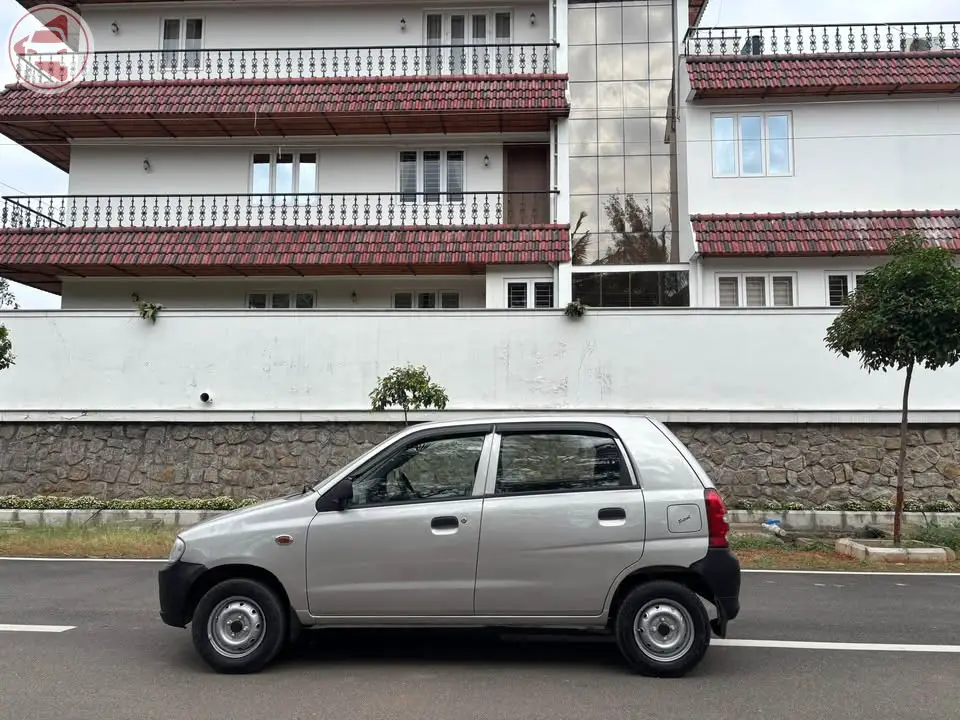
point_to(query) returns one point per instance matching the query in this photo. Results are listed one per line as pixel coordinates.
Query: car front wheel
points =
(239, 626)
(662, 629)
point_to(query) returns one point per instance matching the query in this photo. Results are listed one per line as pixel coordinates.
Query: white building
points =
(319, 191)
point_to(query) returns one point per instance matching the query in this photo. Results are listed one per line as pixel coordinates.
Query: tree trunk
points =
(405, 423)
(901, 465)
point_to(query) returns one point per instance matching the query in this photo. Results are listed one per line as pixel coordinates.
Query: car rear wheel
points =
(662, 629)
(239, 626)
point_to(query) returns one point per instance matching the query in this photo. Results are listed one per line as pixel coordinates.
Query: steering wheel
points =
(405, 481)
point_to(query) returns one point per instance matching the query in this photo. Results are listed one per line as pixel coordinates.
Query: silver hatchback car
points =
(605, 523)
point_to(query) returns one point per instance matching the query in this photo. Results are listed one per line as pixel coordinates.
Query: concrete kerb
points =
(797, 520)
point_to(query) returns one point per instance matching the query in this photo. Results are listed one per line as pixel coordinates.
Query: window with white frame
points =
(181, 34)
(529, 294)
(278, 173)
(427, 300)
(840, 285)
(756, 290)
(299, 300)
(446, 34)
(752, 144)
(433, 173)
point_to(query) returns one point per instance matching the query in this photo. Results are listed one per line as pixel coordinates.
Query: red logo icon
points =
(50, 48)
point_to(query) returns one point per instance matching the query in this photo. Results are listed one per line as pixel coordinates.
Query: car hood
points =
(232, 516)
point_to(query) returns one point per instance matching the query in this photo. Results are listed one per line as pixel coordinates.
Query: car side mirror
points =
(336, 498)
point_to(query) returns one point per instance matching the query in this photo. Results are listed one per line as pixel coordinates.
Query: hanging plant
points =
(148, 310)
(575, 310)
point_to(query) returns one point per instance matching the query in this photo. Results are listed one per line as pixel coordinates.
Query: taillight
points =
(717, 524)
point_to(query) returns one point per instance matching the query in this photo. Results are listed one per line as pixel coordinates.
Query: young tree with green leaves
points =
(904, 314)
(7, 300)
(409, 388)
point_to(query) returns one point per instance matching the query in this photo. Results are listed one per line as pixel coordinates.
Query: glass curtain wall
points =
(622, 185)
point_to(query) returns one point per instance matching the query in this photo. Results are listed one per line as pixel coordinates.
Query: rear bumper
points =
(174, 583)
(720, 571)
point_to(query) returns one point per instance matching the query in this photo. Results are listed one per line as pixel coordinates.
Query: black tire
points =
(252, 602)
(681, 608)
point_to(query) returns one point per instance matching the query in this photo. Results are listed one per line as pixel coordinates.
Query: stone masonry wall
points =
(811, 464)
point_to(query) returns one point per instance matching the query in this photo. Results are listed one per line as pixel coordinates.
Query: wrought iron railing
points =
(294, 210)
(290, 63)
(823, 39)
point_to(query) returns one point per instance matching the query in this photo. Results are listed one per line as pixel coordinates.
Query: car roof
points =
(611, 419)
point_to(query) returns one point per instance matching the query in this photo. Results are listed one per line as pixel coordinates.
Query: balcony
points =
(302, 211)
(794, 40)
(823, 60)
(292, 63)
(43, 239)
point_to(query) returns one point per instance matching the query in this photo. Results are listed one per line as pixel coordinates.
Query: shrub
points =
(53, 502)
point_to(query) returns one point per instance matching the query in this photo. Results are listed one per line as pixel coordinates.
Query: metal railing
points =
(292, 210)
(823, 39)
(292, 63)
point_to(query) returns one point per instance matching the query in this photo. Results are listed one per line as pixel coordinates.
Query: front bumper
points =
(720, 570)
(174, 584)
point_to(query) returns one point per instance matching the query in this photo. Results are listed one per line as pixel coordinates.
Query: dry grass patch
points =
(104, 541)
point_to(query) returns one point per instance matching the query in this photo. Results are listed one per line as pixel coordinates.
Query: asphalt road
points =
(120, 661)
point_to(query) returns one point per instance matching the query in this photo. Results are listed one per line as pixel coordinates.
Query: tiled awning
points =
(41, 257)
(824, 74)
(285, 108)
(812, 234)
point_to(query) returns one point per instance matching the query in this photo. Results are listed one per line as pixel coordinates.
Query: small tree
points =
(408, 388)
(905, 313)
(7, 300)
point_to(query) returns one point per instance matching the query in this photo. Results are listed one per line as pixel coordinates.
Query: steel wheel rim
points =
(663, 630)
(236, 627)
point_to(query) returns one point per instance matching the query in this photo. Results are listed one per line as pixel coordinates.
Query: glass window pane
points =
(634, 20)
(636, 65)
(194, 30)
(455, 163)
(729, 291)
(478, 29)
(280, 300)
(783, 291)
(661, 23)
(583, 63)
(434, 29)
(171, 30)
(582, 26)
(450, 300)
(609, 21)
(778, 144)
(586, 288)
(756, 291)
(558, 462)
(543, 294)
(304, 301)
(403, 300)
(427, 300)
(307, 177)
(609, 62)
(516, 295)
(261, 173)
(751, 145)
(171, 42)
(432, 184)
(724, 147)
(257, 301)
(661, 61)
(503, 28)
(284, 181)
(408, 176)
(838, 287)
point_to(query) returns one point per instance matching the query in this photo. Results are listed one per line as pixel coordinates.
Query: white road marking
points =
(804, 645)
(98, 560)
(36, 628)
(854, 572)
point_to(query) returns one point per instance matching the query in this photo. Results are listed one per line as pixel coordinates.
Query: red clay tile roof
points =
(843, 73)
(225, 98)
(850, 233)
(39, 256)
(695, 9)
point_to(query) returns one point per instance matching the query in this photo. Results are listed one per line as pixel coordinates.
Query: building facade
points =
(312, 194)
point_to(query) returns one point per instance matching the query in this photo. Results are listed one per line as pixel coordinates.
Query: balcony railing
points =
(293, 210)
(823, 39)
(290, 63)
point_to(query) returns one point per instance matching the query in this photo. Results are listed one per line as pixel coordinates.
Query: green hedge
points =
(879, 505)
(51, 502)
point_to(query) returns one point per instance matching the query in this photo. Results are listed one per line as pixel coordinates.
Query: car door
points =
(562, 517)
(406, 545)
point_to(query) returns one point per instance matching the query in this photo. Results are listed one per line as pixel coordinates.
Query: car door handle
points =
(445, 522)
(613, 513)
